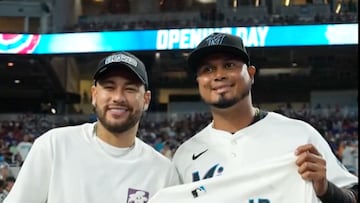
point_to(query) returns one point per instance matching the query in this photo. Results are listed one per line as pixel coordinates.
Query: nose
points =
(220, 73)
(118, 96)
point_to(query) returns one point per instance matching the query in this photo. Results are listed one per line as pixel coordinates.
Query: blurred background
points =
(318, 84)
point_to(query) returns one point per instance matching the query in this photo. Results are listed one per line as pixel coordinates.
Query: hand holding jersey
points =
(312, 167)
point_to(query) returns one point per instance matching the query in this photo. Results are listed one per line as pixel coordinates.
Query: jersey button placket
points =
(233, 146)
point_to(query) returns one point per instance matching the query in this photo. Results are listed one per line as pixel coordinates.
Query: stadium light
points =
(338, 8)
(287, 3)
(10, 64)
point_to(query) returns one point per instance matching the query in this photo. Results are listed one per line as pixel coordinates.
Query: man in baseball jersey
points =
(242, 135)
(102, 161)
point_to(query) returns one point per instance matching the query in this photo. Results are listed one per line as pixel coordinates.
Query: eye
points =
(205, 69)
(108, 86)
(229, 65)
(131, 88)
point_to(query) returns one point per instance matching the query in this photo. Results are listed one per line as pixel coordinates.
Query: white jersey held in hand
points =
(274, 181)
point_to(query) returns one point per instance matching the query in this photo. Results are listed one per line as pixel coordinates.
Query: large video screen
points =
(176, 39)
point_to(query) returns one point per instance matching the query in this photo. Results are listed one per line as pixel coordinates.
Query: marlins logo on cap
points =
(218, 43)
(215, 39)
(121, 60)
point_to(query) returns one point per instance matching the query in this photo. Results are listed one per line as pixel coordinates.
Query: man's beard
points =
(224, 103)
(119, 128)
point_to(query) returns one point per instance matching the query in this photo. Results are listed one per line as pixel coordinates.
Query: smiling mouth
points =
(118, 111)
(222, 89)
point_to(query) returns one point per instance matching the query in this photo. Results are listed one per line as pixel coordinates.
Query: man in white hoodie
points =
(104, 161)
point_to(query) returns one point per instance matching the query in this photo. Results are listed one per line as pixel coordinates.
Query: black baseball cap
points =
(218, 43)
(122, 60)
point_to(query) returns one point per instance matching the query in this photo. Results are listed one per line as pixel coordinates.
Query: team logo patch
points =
(195, 156)
(215, 39)
(120, 58)
(137, 196)
(199, 191)
(216, 170)
(18, 43)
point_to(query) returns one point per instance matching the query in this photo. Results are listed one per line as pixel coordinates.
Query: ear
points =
(93, 95)
(252, 71)
(147, 98)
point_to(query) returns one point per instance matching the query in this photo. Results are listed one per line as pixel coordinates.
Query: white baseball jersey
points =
(213, 152)
(72, 165)
(272, 181)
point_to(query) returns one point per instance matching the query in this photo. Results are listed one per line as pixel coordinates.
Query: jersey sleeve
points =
(32, 182)
(336, 172)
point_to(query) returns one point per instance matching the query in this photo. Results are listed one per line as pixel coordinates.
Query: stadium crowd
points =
(165, 132)
(339, 125)
(104, 25)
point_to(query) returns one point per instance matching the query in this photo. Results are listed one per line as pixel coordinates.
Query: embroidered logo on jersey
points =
(18, 43)
(216, 170)
(137, 196)
(195, 156)
(260, 200)
(198, 191)
(215, 39)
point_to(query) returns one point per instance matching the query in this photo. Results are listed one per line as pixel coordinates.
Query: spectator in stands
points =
(4, 170)
(242, 135)
(2, 194)
(349, 156)
(340, 149)
(23, 147)
(7, 186)
(159, 144)
(102, 161)
(166, 150)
